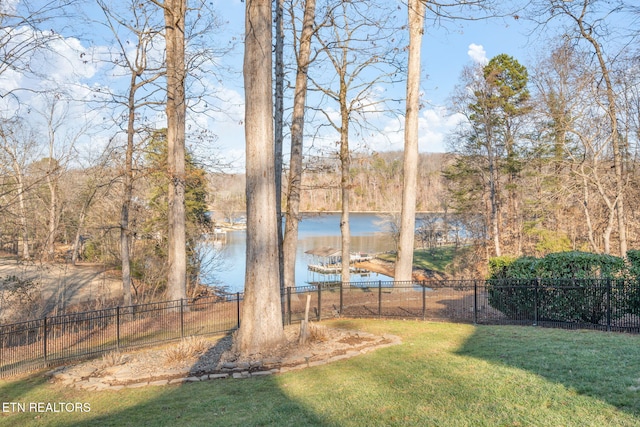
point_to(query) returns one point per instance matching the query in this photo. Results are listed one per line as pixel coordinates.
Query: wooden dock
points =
(334, 269)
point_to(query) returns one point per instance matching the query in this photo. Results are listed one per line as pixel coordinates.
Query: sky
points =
(447, 48)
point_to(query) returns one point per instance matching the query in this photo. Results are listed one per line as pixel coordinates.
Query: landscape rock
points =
(142, 368)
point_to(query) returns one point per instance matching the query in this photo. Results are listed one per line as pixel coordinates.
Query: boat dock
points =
(328, 260)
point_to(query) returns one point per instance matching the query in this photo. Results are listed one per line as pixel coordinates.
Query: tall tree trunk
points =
(23, 212)
(404, 262)
(612, 112)
(587, 215)
(279, 128)
(261, 326)
(125, 250)
(125, 232)
(493, 197)
(345, 185)
(75, 250)
(290, 245)
(174, 14)
(52, 220)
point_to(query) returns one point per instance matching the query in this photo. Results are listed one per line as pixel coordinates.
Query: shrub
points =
(113, 358)
(566, 286)
(317, 332)
(632, 288)
(20, 298)
(187, 348)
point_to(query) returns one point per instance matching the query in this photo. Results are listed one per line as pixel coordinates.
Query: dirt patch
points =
(218, 360)
(63, 285)
(388, 269)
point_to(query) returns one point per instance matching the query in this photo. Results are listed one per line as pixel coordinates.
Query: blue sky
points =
(446, 50)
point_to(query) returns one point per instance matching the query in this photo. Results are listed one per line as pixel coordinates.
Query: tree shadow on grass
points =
(604, 366)
(215, 402)
(224, 402)
(422, 382)
(212, 403)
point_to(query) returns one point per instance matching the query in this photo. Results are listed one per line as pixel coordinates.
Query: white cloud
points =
(9, 80)
(434, 125)
(477, 53)
(9, 6)
(67, 62)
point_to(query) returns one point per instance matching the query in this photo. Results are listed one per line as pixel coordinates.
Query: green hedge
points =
(560, 265)
(632, 290)
(565, 286)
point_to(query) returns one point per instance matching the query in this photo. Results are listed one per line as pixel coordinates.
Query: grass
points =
(441, 375)
(435, 259)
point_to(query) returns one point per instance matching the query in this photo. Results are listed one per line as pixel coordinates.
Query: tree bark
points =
(612, 112)
(279, 128)
(290, 243)
(261, 326)
(23, 210)
(52, 221)
(75, 250)
(404, 262)
(174, 14)
(345, 185)
(493, 196)
(125, 251)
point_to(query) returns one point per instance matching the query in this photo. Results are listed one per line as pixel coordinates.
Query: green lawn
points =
(436, 259)
(442, 374)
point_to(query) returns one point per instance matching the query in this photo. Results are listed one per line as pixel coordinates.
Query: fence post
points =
(238, 308)
(44, 344)
(535, 302)
(424, 300)
(319, 302)
(379, 298)
(289, 305)
(181, 318)
(475, 302)
(608, 304)
(341, 300)
(118, 328)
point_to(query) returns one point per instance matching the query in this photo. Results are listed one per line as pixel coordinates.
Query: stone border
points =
(121, 377)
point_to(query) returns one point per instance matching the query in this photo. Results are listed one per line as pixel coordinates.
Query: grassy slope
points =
(443, 374)
(436, 259)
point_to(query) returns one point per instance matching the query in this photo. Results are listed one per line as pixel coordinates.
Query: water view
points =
(369, 234)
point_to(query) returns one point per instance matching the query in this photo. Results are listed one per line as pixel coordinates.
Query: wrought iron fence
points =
(51, 341)
(603, 304)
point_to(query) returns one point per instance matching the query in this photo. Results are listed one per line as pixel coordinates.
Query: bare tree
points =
(175, 15)
(139, 21)
(361, 46)
(297, 134)
(17, 146)
(279, 125)
(97, 183)
(261, 327)
(588, 21)
(404, 262)
(60, 142)
(22, 34)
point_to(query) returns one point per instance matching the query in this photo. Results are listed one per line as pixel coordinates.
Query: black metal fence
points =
(603, 304)
(51, 341)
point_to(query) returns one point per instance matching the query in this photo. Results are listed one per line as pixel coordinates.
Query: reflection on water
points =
(368, 234)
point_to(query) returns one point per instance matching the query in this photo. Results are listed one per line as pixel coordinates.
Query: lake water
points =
(369, 234)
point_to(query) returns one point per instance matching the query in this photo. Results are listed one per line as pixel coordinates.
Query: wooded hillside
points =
(376, 178)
